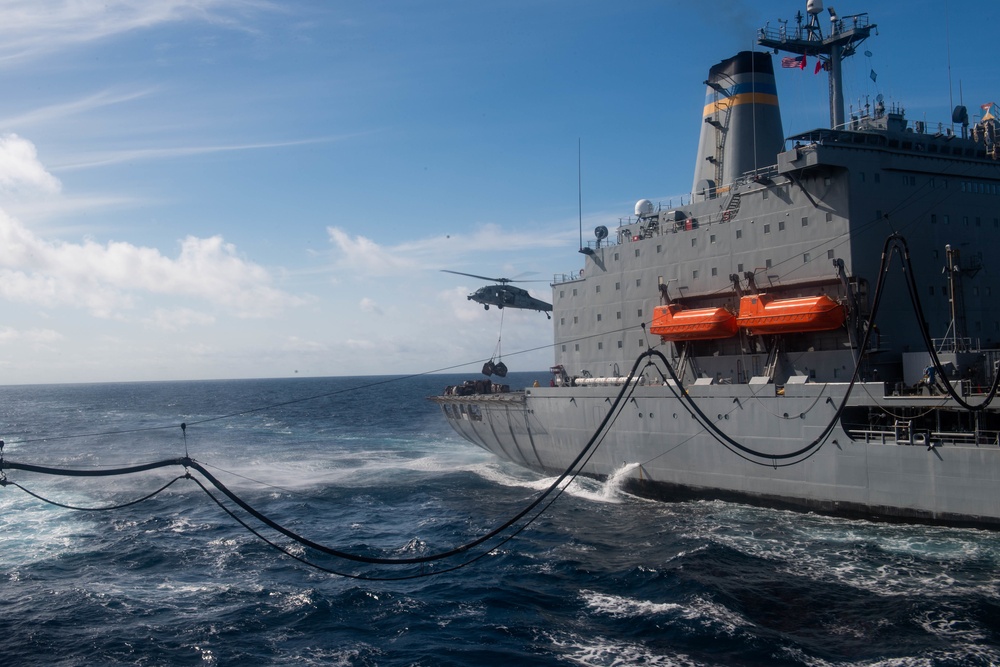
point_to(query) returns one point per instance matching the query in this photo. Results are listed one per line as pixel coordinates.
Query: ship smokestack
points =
(742, 129)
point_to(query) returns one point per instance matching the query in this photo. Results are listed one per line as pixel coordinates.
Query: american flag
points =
(797, 61)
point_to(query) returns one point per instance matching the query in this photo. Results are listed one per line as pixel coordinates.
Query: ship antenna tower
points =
(846, 33)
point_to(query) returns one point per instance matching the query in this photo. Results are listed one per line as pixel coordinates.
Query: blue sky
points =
(242, 188)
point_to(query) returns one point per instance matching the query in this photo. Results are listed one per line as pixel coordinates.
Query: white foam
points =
(608, 491)
(599, 651)
(696, 609)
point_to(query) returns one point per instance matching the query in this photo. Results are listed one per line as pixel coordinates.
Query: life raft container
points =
(763, 314)
(674, 322)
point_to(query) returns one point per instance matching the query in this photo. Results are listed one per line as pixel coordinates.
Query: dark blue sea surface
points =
(371, 467)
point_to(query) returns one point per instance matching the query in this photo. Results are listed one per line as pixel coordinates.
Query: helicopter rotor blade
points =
(472, 275)
(502, 281)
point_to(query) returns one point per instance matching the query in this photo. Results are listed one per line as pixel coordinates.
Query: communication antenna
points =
(579, 195)
(579, 186)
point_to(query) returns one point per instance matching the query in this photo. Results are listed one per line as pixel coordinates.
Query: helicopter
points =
(505, 295)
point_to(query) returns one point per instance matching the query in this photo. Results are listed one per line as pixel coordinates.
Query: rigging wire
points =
(555, 489)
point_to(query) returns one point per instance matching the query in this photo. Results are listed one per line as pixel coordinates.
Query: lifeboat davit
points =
(674, 322)
(763, 314)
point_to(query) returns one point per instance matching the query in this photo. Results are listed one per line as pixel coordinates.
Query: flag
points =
(819, 65)
(797, 61)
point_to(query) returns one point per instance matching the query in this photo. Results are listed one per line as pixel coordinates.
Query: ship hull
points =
(670, 455)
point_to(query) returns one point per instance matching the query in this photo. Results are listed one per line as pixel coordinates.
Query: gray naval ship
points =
(814, 329)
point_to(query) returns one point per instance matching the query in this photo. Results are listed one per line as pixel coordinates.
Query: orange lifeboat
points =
(674, 322)
(763, 314)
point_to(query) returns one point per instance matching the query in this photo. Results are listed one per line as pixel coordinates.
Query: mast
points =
(807, 40)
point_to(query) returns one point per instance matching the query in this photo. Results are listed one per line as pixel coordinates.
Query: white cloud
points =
(368, 305)
(360, 255)
(57, 112)
(178, 319)
(107, 278)
(32, 28)
(107, 158)
(31, 336)
(20, 169)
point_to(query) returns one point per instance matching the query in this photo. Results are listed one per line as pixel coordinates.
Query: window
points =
(805, 258)
(829, 254)
(574, 291)
(711, 239)
(933, 218)
(767, 264)
(562, 320)
(597, 289)
(715, 271)
(576, 319)
(600, 345)
(638, 282)
(616, 257)
(739, 233)
(805, 222)
(618, 286)
(878, 177)
(563, 348)
(562, 293)
(619, 314)
(659, 248)
(829, 217)
(636, 252)
(781, 225)
(598, 317)
(640, 313)
(694, 274)
(619, 345)
(931, 288)
(767, 229)
(694, 241)
(576, 347)
(739, 268)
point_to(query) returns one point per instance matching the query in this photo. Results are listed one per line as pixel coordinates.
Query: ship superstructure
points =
(758, 293)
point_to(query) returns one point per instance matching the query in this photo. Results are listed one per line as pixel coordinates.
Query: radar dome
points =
(643, 207)
(814, 7)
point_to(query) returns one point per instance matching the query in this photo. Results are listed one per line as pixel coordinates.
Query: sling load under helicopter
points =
(505, 295)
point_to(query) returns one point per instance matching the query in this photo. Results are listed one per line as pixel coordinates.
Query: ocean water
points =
(369, 466)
